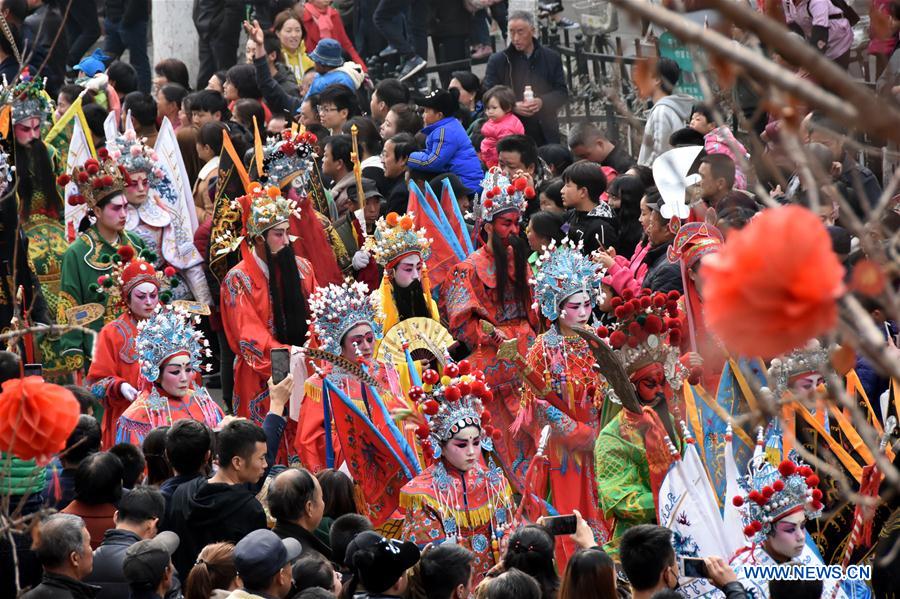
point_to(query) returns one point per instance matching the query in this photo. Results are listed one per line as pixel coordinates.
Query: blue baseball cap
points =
(328, 53)
(92, 64)
(261, 554)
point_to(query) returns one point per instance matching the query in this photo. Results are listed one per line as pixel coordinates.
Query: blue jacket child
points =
(447, 147)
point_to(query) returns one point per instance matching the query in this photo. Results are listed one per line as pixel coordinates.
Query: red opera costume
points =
(246, 303)
(115, 359)
(473, 312)
(162, 339)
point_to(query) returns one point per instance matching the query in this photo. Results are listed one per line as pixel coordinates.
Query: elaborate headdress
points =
(289, 157)
(28, 99)
(338, 308)
(801, 362)
(693, 241)
(263, 208)
(129, 271)
(98, 179)
(648, 330)
(501, 195)
(165, 334)
(563, 271)
(6, 173)
(133, 154)
(395, 237)
(452, 403)
(770, 494)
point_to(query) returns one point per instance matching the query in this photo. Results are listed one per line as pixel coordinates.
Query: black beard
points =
(35, 174)
(411, 301)
(520, 260)
(285, 290)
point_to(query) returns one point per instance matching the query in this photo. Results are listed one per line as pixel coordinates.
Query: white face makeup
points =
(462, 450)
(409, 269)
(788, 536)
(359, 343)
(176, 375)
(575, 310)
(144, 300)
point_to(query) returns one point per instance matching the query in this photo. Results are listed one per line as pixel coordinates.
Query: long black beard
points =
(520, 259)
(35, 174)
(285, 290)
(411, 301)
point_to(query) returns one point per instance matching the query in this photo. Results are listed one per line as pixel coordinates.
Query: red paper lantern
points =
(36, 418)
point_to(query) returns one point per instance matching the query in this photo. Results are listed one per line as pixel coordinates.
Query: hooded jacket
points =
(448, 148)
(667, 116)
(203, 512)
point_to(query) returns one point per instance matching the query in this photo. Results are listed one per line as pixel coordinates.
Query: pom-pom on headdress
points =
(130, 270)
(165, 334)
(784, 370)
(770, 494)
(501, 195)
(287, 158)
(133, 154)
(648, 330)
(452, 403)
(563, 271)
(338, 308)
(98, 179)
(263, 208)
(693, 241)
(28, 99)
(395, 238)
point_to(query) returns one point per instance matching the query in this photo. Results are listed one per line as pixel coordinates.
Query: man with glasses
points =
(527, 64)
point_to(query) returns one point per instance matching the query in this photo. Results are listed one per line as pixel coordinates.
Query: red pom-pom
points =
(106, 180)
(92, 167)
(817, 494)
(510, 190)
(488, 397)
(778, 486)
(496, 190)
(646, 302)
(757, 525)
(748, 531)
(627, 294)
(464, 366)
(615, 302)
(286, 134)
(620, 312)
(497, 435)
(768, 491)
(787, 468)
(617, 339)
(653, 324)
(465, 389)
(737, 501)
(416, 393)
(817, 505)
(488, 203)
(757, 497)
(422, 431)
(806, 471)
(478, 388)
(169, 271)
(288, 149)
(103, 153)
(430, 376)
(634, 328)
(675, 337)
(82, 177)
(602, 332)
(312, 139)
(97, 183)
(451, 370)
(430, 407)
(63, 180)
(76, 200)
(812, 480)
(673, 295)
(125, 252)
(633, 341)
(452, 393)
(486, 417)
(530, 193)
(521, 183)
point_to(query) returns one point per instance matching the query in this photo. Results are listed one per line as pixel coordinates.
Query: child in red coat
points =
(498, 102)
(320, 20)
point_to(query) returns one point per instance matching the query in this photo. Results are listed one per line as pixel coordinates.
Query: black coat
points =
(592, 228)
(449, 18)
(662, 275)
(42, 27)
(309, 543)
(543, 71)
(57, 586)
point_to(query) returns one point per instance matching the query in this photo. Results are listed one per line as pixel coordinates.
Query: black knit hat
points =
(444, 101)
(379, 562)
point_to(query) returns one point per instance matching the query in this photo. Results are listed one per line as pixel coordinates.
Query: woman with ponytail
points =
(214, 575)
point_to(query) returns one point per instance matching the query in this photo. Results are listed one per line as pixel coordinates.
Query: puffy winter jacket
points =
(448, 148)
(493, 132)
(667, 116)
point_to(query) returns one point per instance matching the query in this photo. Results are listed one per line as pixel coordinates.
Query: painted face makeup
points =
(506, 225)
(651, 385)
(409, 269)
(462, 450)
(359, 339)
(788, 536)
(576, 310)
(144, 299)
(176, 376)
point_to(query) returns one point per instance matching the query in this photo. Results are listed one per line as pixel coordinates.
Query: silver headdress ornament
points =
(563, 271)
(167, 333)
(808, 360)
(395, 237)
(501, 195)
(338, 308)
(133, 153)
(28, 99)
(289, 158)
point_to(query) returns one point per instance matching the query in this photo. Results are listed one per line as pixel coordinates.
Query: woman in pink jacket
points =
(499, 102)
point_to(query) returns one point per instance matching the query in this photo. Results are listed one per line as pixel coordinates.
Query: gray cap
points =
(146, 561)
(261, 554)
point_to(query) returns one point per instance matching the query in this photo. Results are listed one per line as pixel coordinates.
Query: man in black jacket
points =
(126, 29)
(295, 501)
(41, 29)
(136, 519)
(589, 220)
(64, 549)
(526, 63)
(222, 508)
(662, 275)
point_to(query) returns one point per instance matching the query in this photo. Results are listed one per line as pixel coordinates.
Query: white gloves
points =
(360, 259)
(128, 392)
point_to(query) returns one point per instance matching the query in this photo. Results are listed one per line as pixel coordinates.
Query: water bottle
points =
(528, 94)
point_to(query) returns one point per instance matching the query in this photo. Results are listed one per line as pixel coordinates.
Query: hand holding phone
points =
(693, 567)
(281, 363)
(560, 525)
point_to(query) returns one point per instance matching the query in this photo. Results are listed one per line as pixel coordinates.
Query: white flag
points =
(111, 126)
(170, 158)
(79, 152)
